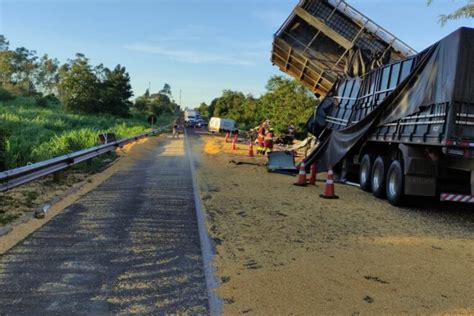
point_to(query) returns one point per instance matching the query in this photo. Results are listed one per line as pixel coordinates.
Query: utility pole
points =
(179, 97)
(149, 86)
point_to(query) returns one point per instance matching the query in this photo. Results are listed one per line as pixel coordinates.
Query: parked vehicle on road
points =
(202, 123)
(221, 125)
(191, 116)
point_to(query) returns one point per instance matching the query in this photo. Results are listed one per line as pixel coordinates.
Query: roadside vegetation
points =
(37, 133)
(48, 109)
(285, 102)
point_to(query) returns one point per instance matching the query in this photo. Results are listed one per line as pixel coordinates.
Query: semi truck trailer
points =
(404, 127)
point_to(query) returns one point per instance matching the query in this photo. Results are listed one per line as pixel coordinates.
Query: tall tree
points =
(212, 107)
(78, 86)
(47, 76)
(6, 68)
(166, 91)
(24, 65)
(251, 113)
(230, 104)
(466, 11)
(115, 91)
(4, 43)
(203, 109)
(286, 102)
(156, 103)
(6, 65)
(160, 104)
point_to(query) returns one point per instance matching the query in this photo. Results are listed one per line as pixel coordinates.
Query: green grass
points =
(38, 133)
(7, 218)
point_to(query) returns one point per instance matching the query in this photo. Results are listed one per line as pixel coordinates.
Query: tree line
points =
(79, 86)
(285, 102)
(157, 103)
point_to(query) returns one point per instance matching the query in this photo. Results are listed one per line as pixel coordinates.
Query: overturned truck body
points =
(398, 122)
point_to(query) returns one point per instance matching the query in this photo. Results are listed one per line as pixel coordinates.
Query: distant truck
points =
(191, 116)
(221, 125)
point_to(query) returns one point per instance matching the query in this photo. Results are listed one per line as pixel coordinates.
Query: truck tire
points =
(364, 172)
(395, 183)
(378, 176)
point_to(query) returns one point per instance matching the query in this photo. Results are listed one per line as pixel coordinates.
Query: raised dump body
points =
(323, 40)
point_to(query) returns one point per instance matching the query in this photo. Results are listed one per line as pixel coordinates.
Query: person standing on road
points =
(175, 130)
(268, 142)
(261, 138)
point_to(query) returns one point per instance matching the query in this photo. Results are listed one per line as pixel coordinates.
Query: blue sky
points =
(198, 46)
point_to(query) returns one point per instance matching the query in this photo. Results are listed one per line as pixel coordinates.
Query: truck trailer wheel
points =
(395, 183)
(364, 172)
(378, 176)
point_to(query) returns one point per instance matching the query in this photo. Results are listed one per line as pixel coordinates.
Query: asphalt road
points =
(130, 245)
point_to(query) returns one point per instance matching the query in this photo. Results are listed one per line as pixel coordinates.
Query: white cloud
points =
(190, 56)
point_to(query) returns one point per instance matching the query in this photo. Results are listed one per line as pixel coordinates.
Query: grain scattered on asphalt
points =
(281, 249)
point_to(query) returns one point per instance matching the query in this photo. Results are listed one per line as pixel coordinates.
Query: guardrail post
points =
(89, 162)
(58, 176)
(3, 156)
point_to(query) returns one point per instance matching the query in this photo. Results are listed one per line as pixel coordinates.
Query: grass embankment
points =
(29, 133)
(37, 133)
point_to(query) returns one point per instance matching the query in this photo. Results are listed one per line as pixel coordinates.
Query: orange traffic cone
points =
(329, 189)
(234, 147)
(301, 180)
(251, 149)
(227, 135)
(314, 172)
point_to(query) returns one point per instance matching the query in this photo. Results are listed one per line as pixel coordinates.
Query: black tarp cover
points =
(444, 74)
(358, 62)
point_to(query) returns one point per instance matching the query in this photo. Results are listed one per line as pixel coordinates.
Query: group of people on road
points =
(265, 135)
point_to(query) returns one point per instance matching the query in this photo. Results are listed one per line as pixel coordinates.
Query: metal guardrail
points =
(15, 177)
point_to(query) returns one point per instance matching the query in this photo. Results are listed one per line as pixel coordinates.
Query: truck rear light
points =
(462, 143)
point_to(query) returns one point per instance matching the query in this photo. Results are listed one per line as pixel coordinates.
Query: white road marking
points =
(215, 302)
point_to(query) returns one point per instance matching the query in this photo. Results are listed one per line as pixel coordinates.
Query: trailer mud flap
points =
(281, 161)
(422, 186)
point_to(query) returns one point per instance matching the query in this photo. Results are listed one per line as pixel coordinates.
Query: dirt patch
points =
(281, 249)
(22, 202)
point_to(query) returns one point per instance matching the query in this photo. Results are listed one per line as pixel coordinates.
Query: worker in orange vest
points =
(261, 138)
(268, 141)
